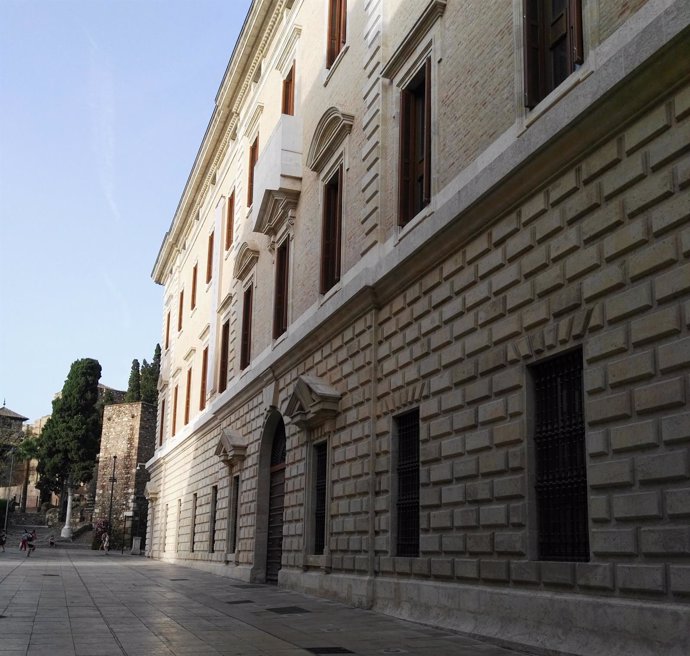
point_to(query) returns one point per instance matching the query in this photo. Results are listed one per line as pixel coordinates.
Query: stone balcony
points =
(278, 177)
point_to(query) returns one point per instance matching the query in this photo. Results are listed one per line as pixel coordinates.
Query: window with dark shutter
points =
(174, 411)
(289, 92)
(161, 426)
(180, 311)
(407, 471)
(320, 478)
(188, 396)
(337, 25)
(213, 519)
(167, 331)
(202, 383)
(280, 307)
(224, 352)
(235, 513)
(561, 471)
(331, 233)
(209, 259)
(230, 222)
(415, 145)
(553, 45)
(253, 158)
(194, 274)
(246, 346)
(192, 536)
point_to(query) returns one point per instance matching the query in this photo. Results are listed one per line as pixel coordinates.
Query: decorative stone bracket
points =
(151, 492)
(312, 403)
(230, 448)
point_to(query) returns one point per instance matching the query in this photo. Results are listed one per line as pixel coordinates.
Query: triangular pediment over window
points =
(231, 448)
(330, 132)
(313, 402)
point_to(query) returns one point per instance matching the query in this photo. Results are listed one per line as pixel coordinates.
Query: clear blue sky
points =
(103, 105)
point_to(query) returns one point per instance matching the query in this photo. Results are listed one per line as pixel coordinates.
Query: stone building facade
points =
(127, 442)
(427, 299)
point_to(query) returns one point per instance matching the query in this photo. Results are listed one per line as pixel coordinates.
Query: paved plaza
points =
(76, 602)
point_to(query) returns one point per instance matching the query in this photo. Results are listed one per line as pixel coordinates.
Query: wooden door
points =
(274, 551)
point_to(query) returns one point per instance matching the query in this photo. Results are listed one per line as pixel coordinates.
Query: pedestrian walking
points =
(3, 539)
(23, 542)
(105, 543)
(29, 539)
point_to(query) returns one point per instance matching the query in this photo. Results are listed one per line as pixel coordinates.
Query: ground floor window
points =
(559, 446)
(407, 477)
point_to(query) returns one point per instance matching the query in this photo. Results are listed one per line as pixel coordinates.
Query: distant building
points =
(426, 319)
(11, 470)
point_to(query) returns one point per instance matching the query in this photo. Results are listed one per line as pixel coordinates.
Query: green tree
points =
(149, 377)
(69, 441)
(134, 385)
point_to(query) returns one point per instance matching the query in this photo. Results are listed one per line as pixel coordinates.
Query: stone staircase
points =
(18, 522)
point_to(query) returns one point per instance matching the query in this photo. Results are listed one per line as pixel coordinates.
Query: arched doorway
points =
(276, 502)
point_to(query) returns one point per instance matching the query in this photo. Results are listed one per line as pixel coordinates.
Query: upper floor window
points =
(230, 221)
(331, 231)
(337, 24)
(253, 158)
(553, 45)
(174, 410)
(209, 259)
(180, 311)
(224, 352)
(415, 145)
(161, 425)
(167, 330)
(288, 106)
(246, 345)
(188, 396)
(194, 274)
(202, 382)
(280, 301)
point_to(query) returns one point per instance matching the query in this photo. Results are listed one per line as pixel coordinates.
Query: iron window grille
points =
(321, 467)
(407, 425)
(561, 470)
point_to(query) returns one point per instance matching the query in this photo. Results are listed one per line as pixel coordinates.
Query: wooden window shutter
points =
(188, 396)
(289, 92)
(193, 299)
(224, 353)
(204, 375)
(331, 49)
(532, 54)
(575, 29)
(230, 222)
(209, 259)
(427, 132)
(167, 331)
(180, 311)
(338, 226)
(404, 176)
(174, 413)
(245, 353)
(161, 426)
(342, 24)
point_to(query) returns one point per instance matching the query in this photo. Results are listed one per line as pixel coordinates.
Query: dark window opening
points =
(320, 478)
(253, 158)
(213, 519)
(224, 353)
(553, 45)
(415, 145)
(331, 232)
(235, 513)
(337, 29)
(209, 259)
(246, 346)
(407, 426)
(561, 471)
(230, 222)
(280, 307)
(289, 92)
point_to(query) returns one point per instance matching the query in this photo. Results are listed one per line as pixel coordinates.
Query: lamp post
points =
(112, 480)
(66, 531)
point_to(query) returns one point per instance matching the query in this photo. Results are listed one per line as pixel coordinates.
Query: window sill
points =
(573, 80)
(331, 292)
(403, 231)
(335, 64)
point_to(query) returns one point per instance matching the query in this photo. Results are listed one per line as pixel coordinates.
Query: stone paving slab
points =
(67, 602)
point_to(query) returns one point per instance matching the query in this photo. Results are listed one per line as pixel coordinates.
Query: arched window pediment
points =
(330, 132)
(246, 259)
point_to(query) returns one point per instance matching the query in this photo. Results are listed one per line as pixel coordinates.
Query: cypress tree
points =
(134, 385)
(69, 441)
(149, 377)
